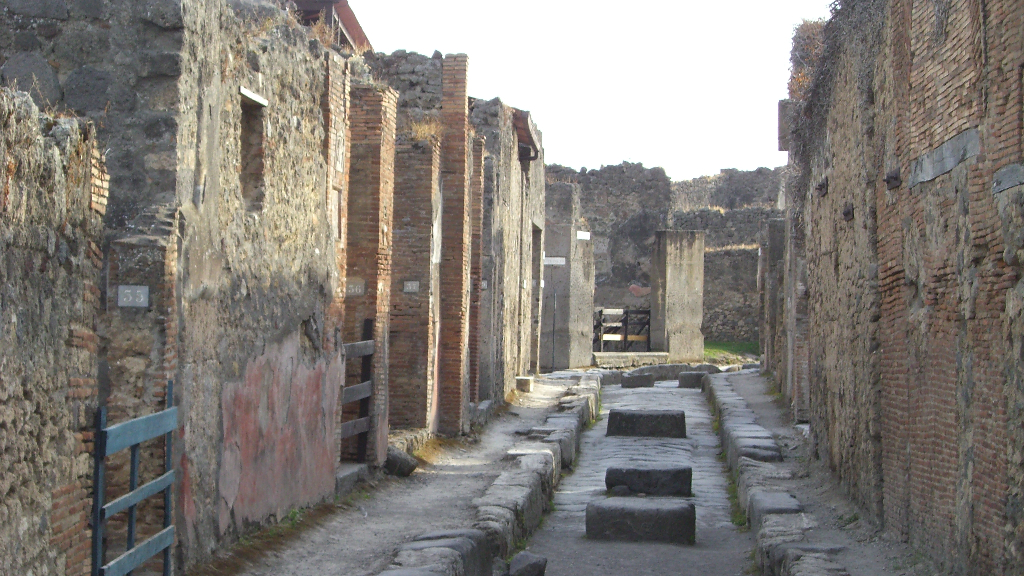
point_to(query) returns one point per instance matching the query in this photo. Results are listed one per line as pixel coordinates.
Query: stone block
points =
(654, 480)
(642, 520)
(527, 564)
(524, 383)
(399, 462)
(55, 9)
(690, 379)
(348, 476)
(637, 380)
(86, 89)
(761, 504)
(30, 72)
(411, 572)
(610, 377)
(484, 550)
(656, 423)
(476, 557)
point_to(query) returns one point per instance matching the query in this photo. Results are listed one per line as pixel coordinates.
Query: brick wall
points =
(911, 211)
(51, 206)
(414, 295)
(455, 245)
(370, 223)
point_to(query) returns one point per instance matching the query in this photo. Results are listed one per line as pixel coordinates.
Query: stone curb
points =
(751, 454)
(512, 507)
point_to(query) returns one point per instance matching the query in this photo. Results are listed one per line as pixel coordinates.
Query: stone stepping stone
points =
(651, 423)
(763, 503)
(690, 379)
(653, 480)
(638, 380)
(642, 520)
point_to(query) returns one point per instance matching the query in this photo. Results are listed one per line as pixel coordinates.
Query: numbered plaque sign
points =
(133, 296)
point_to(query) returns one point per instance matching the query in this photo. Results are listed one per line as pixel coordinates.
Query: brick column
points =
(370, 204)
(414, 286)
(337, 147)
(476, 217)
(455, 260)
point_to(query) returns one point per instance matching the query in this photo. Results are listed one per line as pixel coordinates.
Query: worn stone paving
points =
(721, 548)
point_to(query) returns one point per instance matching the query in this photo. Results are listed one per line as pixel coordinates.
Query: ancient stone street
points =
(721, 547)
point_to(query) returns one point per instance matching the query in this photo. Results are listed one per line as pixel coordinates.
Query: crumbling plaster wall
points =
(916, 395)
(51, 203)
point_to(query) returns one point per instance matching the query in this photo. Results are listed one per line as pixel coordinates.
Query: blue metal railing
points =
(129, 435)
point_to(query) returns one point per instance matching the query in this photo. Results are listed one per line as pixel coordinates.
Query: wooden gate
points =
(361, 392)
(623, 326)
(113, 439)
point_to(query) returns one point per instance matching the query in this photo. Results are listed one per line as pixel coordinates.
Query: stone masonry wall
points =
(513, 220)
(626, 204)
(51, 209)
(117, 62)
(730, 295)
(259, 366)
(911, 182)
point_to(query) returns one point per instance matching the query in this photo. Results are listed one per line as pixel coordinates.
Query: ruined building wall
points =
(626, 204)
(51, 208)
(259, 365)
(116, 62)
(730, 189)
(730, 295)
(513, 224)
(912, 271)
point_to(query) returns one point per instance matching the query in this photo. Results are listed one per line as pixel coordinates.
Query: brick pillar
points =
(476, 217)
(337, 147)
(412, 384)
(455, 243)
(370, 204)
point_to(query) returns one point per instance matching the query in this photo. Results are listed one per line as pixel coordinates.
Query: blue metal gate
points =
(114, 439)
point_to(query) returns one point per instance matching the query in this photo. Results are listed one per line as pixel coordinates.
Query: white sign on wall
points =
(411, 286)
(133, 296)
(355, 287)
(554, 261)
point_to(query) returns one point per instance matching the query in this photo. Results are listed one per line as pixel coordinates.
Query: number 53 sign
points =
(133, 296)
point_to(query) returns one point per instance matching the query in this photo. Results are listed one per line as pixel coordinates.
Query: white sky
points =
(689, 86)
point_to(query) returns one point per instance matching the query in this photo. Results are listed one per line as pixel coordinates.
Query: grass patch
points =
(736, 513)
(731, 352)
(845, 521)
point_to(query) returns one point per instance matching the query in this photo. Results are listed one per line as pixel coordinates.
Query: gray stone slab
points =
(637, 381)
(399, 462)
(642, 520)
(690, 379)
(943, 159)
(654, 479)
(527, 564)
(411, 572)
(764, 503)
(652, 423)
(30, 72)
(476, 557)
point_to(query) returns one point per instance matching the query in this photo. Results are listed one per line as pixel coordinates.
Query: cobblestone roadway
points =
(721, 549)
